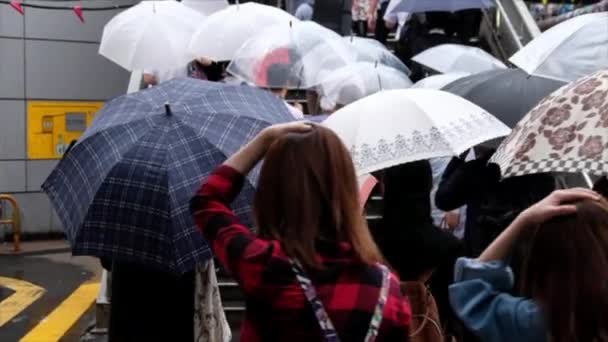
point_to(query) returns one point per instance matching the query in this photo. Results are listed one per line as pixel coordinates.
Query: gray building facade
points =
(47, 55)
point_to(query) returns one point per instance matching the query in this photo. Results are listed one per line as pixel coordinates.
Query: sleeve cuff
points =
(229, 173)
(496, 273)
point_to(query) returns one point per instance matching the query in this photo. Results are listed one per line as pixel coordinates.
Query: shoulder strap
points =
(327, 327)
(374, 325)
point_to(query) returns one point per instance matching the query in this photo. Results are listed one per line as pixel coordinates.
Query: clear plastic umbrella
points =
(417, 6)
(206, 6)
(151, 35)
(293, 56)
(437, 82)
(568, 51)
(447, 58)
(371, 50)
(225, 31)
(355, 81)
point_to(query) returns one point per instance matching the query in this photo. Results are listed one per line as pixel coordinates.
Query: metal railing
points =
(14, 221)
(508, 27)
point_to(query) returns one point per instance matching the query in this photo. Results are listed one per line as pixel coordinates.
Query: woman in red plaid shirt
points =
(313, 273)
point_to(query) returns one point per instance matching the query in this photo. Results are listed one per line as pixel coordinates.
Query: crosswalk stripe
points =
(25, 294)
(54, 326)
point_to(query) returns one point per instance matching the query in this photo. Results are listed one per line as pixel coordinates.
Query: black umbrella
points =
(507, 94)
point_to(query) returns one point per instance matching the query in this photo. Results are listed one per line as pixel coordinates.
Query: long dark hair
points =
(307, 193)
(601, 186)
(566, 273)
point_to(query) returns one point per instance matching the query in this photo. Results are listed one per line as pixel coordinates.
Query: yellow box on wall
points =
(52, 125)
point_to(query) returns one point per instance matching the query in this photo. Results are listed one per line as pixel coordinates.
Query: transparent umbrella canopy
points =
(355, 81)
(151, 35)
(370, 50)
(225, 31)
(568, 51)
(293, 56)
(206, 7)
(448, 58)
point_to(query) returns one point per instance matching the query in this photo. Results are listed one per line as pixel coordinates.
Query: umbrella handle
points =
(588, 180)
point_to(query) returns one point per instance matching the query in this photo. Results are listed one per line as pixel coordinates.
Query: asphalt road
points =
(50, 268)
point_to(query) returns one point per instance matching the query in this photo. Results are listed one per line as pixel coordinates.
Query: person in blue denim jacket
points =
(565, 278)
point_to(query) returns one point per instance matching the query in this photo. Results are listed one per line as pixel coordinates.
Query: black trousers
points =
(360, 28)
(149, 305)
(381, 32)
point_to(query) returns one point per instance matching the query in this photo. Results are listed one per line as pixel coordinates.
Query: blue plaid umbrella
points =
(123, 191)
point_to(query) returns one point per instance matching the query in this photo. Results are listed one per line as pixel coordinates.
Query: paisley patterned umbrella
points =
(566, 132)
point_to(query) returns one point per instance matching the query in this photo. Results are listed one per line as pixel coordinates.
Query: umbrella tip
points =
(168, 109)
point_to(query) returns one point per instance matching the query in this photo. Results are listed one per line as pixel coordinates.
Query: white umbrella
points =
(395, 127)
(151, 35)
(568, 51)
(358, 80)
(206, 7)
(447, 58)
(417, 6)
(437, 82)
(371, 50)
(225, 31)
(293, 55)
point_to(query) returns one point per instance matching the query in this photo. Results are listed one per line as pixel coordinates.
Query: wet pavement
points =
(56, 276)
(51, 266)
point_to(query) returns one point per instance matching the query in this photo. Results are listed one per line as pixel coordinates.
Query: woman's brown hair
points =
(307, 194)
(566, 273)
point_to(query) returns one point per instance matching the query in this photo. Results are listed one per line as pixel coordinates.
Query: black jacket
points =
(407, 237)
(492, 204)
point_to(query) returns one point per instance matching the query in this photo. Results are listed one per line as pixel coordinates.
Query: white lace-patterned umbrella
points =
(371, 50)
(225, 31)
(447, 58)
(294, 56)
(395, 127)
(358, 80)
(575, 48)
(417, 6)
(437, 82)
(151, 35)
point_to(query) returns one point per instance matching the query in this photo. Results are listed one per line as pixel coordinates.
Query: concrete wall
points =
(47, 55)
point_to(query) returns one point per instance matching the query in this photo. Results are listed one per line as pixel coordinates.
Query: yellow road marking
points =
(55, 325)
(25, 294)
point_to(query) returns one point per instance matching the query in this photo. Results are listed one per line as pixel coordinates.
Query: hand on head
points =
(559, 203)
(248, 156)
(270, 134)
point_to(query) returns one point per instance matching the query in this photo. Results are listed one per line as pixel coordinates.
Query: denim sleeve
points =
(479, 298)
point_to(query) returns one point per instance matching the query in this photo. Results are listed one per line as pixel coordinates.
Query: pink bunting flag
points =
(79, 13)
(16, 5)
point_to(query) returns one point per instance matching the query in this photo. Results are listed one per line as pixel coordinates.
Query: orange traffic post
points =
(15, 221)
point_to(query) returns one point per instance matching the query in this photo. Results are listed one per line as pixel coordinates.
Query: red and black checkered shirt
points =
(277, 309)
